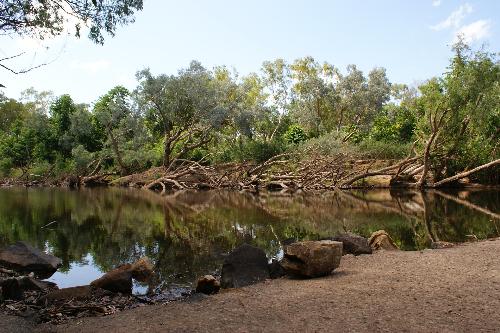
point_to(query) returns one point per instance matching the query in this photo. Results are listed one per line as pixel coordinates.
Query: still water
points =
(187, 235)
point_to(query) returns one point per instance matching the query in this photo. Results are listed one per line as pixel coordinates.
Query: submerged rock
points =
(207, 284)
(380, 240)
(24, 258)
(119, 280)
(245, 265)
(353, 244)
(312, 258)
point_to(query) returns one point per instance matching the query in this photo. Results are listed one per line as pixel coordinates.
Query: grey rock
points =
(353, 244)
(24, 258)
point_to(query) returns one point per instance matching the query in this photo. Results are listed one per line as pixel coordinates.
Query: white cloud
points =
(474, 31)
(455, 18)
(91, 67)
(436, 3)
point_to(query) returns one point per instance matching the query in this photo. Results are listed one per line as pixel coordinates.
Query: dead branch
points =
(466, 173)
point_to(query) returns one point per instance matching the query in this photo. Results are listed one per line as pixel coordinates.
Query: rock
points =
(73, 293)
(142, 269)
(380, 240)
(119, 280)
(24, 258)
(353, 244)
(14, 287)
(275, 270)
(207, 285)
(312, 258)
(441, 245)
(245, 265)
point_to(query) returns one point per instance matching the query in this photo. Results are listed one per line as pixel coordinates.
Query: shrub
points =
(295, 134)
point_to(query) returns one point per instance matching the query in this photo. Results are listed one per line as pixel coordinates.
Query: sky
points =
(411, 39)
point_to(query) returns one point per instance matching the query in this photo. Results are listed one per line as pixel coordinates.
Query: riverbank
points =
(448, 290)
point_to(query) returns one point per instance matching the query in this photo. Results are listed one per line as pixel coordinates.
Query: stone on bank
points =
(312, 258)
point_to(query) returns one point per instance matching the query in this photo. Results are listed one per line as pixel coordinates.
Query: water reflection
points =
(188, 234)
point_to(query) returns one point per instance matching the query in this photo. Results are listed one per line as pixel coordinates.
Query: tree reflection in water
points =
(188, 234)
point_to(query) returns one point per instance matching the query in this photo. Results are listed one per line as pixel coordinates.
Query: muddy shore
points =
(447, 290)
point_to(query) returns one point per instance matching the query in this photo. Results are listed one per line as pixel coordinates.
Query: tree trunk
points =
(167, 151)
(114, 145)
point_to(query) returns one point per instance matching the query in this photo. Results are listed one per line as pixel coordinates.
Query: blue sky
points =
(411, 39)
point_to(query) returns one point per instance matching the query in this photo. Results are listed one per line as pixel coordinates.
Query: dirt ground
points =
(447, 290)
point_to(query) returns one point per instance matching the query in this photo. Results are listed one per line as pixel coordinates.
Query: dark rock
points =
(275, 270)
(11, 289)
(245, 265)
(380, 240)
(353, 244)
(79, 293)
(14, 287)
(119, 280)
(207, 285)
(24, 258)
(312, 258)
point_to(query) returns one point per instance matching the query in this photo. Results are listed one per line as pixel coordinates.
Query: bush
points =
(6, 166)
(295, 135)
(370, 148)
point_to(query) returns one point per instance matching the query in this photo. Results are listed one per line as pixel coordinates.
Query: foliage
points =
(45, 19)
(217, 116)
(295, 134)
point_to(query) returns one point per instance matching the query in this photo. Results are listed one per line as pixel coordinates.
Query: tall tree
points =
(183, 109)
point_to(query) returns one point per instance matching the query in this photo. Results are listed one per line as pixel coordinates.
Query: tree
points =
(45, 19)
(109, 112)
(460, 114)
(314, 94)
(60, 118)
(183, 109)
(277, 80)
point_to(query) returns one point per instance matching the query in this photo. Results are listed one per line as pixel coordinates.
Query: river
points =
(188, 234)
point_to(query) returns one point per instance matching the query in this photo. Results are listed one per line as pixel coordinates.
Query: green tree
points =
(45, 19)
(183, 109)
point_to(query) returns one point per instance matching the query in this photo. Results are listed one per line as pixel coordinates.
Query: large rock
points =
(312, 258)
(208, 285)
(14, 287)
(24, 258)
(380, 240)
(119, 280)
(245, 265)
(353, 244)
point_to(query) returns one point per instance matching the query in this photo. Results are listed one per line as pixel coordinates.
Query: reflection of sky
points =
(81, 274)
(77, 275)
